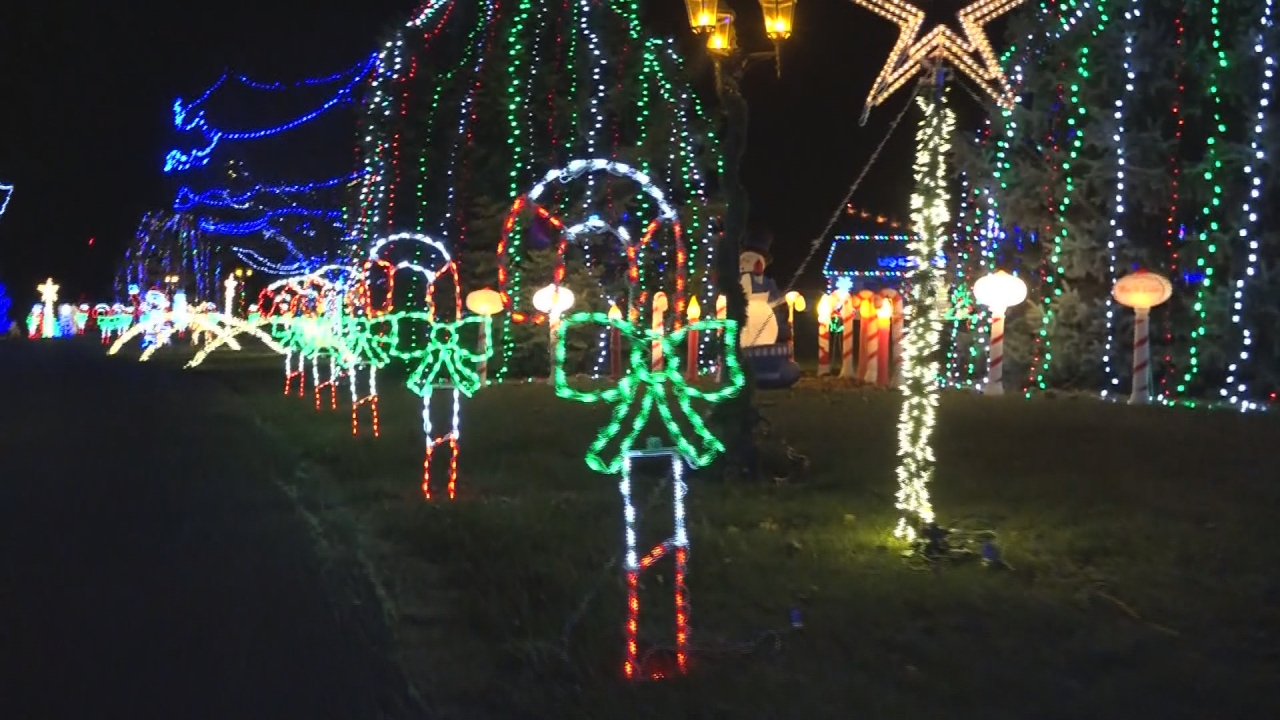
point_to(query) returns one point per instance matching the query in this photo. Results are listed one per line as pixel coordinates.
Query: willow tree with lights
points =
(930, 55)
(1141, 139)
(473, 102)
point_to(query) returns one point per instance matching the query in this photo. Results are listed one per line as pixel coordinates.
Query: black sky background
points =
(86, 91)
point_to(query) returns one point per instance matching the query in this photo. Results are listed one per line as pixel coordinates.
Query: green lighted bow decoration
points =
(643, 389)
(443, 361)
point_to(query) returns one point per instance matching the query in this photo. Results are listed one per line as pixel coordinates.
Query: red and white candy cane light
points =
(998, 291)
(824, 335)
(843, 304)
(864, 304)
(1141, 290)
(893, 349)
(486, 302)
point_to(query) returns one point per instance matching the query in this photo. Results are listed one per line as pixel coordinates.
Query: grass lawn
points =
(1142, 544)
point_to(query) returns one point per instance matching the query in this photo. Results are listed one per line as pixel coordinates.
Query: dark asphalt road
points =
(151, 567)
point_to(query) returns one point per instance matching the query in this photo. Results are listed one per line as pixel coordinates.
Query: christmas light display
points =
(969, 51)
(190, 117)
(171, 244)
(1141, 291)
(5, 304)
(1234, 389)
(612, 92)
(48, 295)
(217, 328)
(930, 217)
(6, 194)
(642, 390)
(998, 291)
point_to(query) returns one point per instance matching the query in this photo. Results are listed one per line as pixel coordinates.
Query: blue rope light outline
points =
(222, 197)
(178, 161)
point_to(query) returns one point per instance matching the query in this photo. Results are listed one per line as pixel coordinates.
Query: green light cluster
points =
(643, 389)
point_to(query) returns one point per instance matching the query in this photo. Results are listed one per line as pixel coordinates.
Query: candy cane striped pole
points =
(482, 350)
(995, 357)
(846, 339)
(871, 345)
(1141, 357)
(655, 347)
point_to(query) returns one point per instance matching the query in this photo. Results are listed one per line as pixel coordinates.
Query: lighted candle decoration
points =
(1141, 290)
(998, 291)
(693, 313)
(893, 352)
(485, 302)
(722, 313)
(659, 312)
(553, 300)
(824, 335)
(795, 303)
(48, 295)
(615, 343)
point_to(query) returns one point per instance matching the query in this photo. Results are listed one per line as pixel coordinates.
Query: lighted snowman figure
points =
(764, 339)
(155, 305)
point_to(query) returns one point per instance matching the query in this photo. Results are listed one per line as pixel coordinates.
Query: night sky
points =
(85, 114)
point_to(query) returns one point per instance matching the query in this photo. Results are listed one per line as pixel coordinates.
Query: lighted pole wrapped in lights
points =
(485, 302)
(916, 53)
(1142, 290)
(730, 63)
(48, 295)
(824, 335)
(999, 291)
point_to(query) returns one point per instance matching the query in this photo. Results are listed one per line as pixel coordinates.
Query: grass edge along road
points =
(1143, 561)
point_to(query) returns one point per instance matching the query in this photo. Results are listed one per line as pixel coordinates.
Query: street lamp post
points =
(706, 17)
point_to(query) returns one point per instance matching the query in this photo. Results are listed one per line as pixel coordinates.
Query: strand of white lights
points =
(930, 217)
(1249, 213)
(696, 189)
(1117, 238)
(598, 90)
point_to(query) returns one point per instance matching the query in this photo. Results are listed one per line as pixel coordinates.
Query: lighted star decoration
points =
(969, 51)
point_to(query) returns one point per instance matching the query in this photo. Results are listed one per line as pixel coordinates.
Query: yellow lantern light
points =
(553, 300)
(702, 15)
(796, 301)
(1142, 290)
(485, 301)
(614, 312)
(722, 40)
(778, 15)
(1000, 291)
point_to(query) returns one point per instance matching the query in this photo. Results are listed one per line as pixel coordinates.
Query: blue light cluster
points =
(6, 192)
(248, 227)
(189, 118)
(221, 197)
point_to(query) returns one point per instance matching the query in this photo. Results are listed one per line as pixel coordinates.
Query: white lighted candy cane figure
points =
(508, 246)
(999, 291)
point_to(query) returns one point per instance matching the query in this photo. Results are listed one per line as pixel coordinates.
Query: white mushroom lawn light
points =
(998, 291)
(1142, 290)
